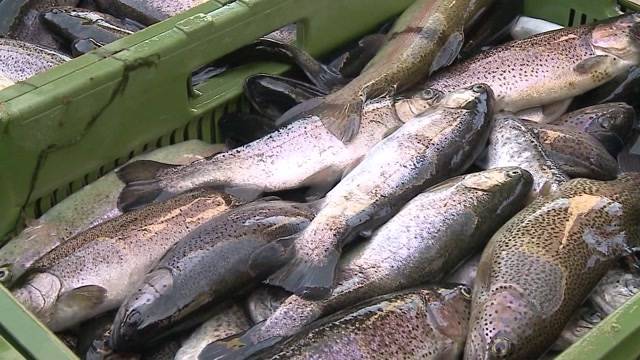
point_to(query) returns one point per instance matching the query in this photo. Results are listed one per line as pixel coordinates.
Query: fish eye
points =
(605, 123)
(5, 274)
(429, 94)
(466, 292)
(514, 173)
(479, 88)
(501, 347)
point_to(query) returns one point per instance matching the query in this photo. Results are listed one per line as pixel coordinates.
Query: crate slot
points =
(572, 16)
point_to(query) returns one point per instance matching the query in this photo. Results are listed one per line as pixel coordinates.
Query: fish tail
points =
(236, 347)
(340, 116)
(142, 185)
(313, 281)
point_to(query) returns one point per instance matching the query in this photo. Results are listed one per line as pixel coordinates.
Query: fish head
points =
(6, 274)
(510, 181)
(478, 97)
(617, 119)
(39, 294)
(449, 308)
(619, 37)
(408, 107)
(501, 325)
(136, 322)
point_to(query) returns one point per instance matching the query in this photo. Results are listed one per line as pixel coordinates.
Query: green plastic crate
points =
(65, 128)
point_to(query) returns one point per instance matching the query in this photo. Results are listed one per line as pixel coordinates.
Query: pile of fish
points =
(443, 189)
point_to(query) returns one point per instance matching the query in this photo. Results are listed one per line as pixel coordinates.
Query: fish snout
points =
(124, 333)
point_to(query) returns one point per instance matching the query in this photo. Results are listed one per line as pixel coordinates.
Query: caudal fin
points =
(305, 279)
(142, 185)
(237, 347)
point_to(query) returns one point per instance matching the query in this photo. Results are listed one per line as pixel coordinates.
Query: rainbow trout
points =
(95, 270)
(539, 268)
(550, 67)
(428, 238)
(425, 323)
(440, 143)
(427, 36)
(94, 204)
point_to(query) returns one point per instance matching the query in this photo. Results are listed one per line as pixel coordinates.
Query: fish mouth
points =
(124, 333)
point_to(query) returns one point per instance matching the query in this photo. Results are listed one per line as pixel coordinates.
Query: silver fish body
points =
(512, 143)
(440, 143)
(615, 288)
(94, 204)
(230, 321)
(549, 67)
(429, 237)
(94, 271)
(147, 12)
(426, 323)
(205, 268)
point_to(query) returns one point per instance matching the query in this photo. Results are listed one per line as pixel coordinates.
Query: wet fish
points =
(549, 67)
(20, 20)
(92, 330)
(578, 154)
(147, 12)
(512, 143)
(527, 27)
(610, 123)
(624, 87)
(585, 319)
(206, 267)
(302, 154)
(95, 270)
(538, 269)
(20, 60)
(264, 301)
(438, 144)
(426, 37)
(492, 27)
(94, 204)
(428, 238)
(273, 95)
(426, 323)
(465, 274)
(615, 289)
(79, 28)
(230, 321)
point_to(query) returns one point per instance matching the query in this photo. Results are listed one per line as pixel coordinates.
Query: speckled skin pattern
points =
(147, 12)
(414, 43)
(264, 301)
(417, 324)
(205, 268)
(543, 69)
(614, 290)
(429, 237)
(578, 154)
(27, 25)
(438, 144)
(538, 269)
(20, 60)
(610, 123)
(512, 143)
(230, 321)
(113, 256)
(288, 158)
(94, 204)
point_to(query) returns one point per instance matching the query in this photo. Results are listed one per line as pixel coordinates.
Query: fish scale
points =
(548, 67)
(97, 268)
(543, 263)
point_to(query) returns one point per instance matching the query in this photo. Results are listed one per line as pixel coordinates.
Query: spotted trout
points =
(550, 67)
(440, 143)
(94, 271)
(427, 36)
(539, 268)
(425, 323)
(428, 238)
(301, 155)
